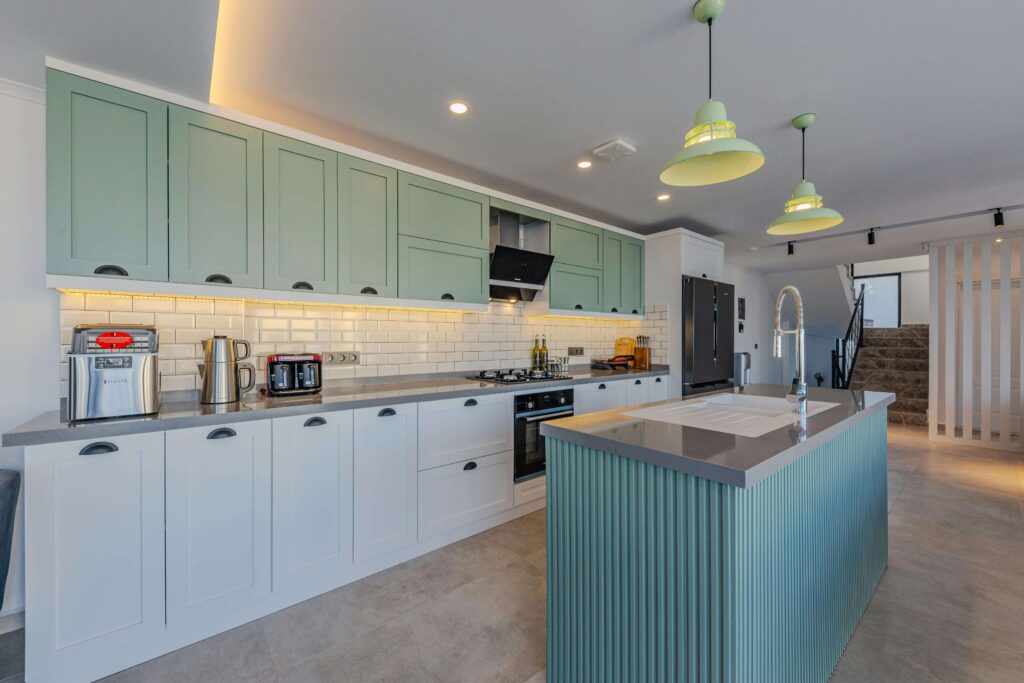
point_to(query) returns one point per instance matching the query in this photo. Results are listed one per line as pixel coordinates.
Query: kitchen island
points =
(686, 553)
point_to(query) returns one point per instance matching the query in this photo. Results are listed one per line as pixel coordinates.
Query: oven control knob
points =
(529, 405)
(561, 399)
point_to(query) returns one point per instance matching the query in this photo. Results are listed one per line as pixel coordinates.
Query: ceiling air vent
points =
(614, 150)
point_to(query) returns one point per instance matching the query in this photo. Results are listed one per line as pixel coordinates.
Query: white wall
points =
(756, 338)
(29, 308)
(913, 284)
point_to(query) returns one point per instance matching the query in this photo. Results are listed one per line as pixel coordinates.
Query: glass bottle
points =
(544, 353)
(535, 354)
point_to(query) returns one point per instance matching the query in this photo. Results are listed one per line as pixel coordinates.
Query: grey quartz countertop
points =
(337, 395)
(718, 456)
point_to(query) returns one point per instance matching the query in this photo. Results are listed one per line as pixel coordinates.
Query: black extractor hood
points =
(518, 274)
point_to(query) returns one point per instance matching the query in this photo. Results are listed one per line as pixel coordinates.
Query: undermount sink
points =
(737, 414)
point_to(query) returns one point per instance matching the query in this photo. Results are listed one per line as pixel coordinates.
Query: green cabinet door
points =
(106, 180)
(575, 243)
(216, 200)
(632, 270)
(445, 213)
(612, 271)
(300, 220)
(575, 289)
(367, 228)
(437, 271)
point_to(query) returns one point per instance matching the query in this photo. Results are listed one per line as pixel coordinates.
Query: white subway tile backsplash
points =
(194, 306)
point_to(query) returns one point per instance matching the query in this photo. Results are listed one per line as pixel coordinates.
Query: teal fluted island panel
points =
(659, 575)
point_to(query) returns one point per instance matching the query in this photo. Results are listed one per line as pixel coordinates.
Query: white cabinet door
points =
(218, 519)
(591, 398)
(638, 390)
(464, 492)
(457, 429)
(312, 497)
(384, 455)
(702, 258)
(658, 387)
(94, 549)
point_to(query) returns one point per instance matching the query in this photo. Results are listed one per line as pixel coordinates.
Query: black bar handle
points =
(303, 285)
(98, 448)
(601, 386)
(222, 433)
(637, 382)
(219, 279)
(470, 402)
(469, 466)
(578, 307)
(447, 297)
(368, 290)
(111, 270)
(387, 412)
(315, 422)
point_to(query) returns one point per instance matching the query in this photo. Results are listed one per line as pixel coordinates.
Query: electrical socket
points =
(575, 350)
(340, 358)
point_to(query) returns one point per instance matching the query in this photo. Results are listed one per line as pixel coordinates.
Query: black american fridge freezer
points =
(708, 329)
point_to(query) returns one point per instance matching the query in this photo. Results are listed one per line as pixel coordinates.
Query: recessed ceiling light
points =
(583, 164)
(664, 197)
(999, 240)
(458, 107)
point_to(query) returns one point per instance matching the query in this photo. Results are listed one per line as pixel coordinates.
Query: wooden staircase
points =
(896, 359)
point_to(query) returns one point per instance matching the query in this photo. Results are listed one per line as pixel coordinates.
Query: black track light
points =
(871, 236)
(998, 219)
(789, 248)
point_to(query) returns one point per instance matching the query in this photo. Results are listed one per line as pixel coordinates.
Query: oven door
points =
(529, 444)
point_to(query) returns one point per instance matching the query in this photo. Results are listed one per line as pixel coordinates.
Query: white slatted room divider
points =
(975, 350)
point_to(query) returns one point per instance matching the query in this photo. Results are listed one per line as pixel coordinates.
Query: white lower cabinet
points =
(464, 492)
(218, 520)
(312, 484)
(453, 430)
(658, 387)
(638, 390)
(594, 397)
(384, 456)
(94, 546)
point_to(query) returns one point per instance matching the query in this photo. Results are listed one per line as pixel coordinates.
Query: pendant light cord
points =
(709, 57)
(803, 154)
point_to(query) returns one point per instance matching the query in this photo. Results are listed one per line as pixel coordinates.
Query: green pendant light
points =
(805, 211)
(711, 151)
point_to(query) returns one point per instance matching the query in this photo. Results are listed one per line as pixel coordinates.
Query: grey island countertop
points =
(347, 394)
(719, 456)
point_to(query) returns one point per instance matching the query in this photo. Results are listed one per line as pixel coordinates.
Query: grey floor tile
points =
(12, 654)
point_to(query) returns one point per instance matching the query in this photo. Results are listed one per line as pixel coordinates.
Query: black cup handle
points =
(578, 307)
(614, 310)
(222, 433)
(315, 422)
(470, 402)
(601, 386)
(111, 270)
(469, 466)
(387, 412)
(219, 279)
(636, 312)
(368, 290)
(447, 297)
(657, 379)
(98, 448)
(303, 285)
(637, 382)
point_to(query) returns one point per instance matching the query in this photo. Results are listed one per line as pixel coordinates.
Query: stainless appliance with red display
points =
(294, 374)
(530, 411)
(113, 372)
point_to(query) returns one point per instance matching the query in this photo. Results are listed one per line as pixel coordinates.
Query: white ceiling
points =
(920, 112)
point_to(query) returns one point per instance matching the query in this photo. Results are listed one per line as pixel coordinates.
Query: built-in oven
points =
(530, 412)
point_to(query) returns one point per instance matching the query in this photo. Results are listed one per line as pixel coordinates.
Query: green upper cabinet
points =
(445, 213)
(632, 276)
(300, 220)
(437, 271)
(524, 211)
(572, 288)
(216, 200)
(367, 228)
(623, 274)
(575, 243)
(106, 180)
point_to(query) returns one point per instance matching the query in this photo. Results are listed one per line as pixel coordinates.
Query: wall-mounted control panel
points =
(575, 350)
(340, 357)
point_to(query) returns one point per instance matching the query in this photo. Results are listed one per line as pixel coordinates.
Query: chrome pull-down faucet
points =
(798, 392)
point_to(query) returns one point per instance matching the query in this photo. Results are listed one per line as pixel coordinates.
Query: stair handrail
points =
(844, 356)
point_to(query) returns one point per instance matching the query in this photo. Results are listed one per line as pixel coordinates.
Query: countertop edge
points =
(25, 435)
(711, 471)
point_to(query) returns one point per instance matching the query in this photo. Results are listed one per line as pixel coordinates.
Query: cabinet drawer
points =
(437, 271)
(459, 428)
(592, 398)
(458, 494)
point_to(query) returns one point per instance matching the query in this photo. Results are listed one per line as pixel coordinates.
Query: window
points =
(881, 299)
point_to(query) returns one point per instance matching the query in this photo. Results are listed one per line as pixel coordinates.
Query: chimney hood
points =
(518, 274)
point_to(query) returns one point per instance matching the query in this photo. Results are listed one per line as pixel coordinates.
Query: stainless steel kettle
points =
(221, 370)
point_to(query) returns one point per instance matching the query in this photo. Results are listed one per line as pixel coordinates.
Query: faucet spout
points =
(798, 391)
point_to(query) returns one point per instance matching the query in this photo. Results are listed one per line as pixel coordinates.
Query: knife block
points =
(642, 358)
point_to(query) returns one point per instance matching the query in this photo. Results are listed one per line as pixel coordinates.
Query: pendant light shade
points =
(805, 211)
(712, 153)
